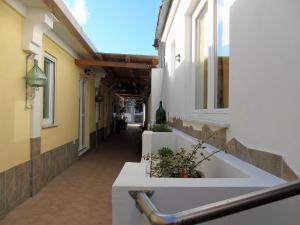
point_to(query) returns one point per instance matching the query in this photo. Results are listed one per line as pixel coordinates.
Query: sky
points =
(118, 26)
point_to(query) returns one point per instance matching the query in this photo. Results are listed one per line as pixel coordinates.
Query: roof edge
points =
(64, 15)
(162, 20)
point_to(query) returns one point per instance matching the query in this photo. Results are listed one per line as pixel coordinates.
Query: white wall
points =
(172, 195)
(156, 90)
(174, 74)
(264, 76)
(179, 86)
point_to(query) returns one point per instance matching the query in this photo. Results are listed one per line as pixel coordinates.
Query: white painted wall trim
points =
(74, 22)
(19, 6)
(36, 23)
(54, 37)
(170, 19)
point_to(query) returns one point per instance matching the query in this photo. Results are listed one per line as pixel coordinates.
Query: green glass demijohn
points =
(160, 114)
(36, 77)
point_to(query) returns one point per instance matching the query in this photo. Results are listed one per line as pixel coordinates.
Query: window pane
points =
(222, 64)
(202, 49)
(46, 90)
(48, 104)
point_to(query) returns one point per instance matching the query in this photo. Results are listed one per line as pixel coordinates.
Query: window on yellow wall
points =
(49, 91)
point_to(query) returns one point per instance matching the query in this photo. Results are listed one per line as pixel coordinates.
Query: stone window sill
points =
(47, 126)
(214, 123)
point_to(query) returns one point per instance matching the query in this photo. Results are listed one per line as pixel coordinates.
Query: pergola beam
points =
(86, 62)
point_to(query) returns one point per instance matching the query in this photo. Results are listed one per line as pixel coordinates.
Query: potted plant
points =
(178, 164)
(160, 128)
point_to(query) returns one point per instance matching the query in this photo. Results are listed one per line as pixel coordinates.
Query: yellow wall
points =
(106, 108)
(66, 99)
(14, 119)
(92, 106)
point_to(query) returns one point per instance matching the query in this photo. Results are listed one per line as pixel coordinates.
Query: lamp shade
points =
(98, 98)
(36, 77)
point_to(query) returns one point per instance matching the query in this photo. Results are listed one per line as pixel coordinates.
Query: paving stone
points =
(70, 197)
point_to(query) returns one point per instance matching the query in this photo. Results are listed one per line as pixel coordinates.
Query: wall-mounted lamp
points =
(177, 57)
(35, 78)
(98, 98)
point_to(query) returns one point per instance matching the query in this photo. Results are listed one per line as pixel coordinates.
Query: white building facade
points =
(229, 72)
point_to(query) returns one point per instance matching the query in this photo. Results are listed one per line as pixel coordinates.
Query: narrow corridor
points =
(81, 195)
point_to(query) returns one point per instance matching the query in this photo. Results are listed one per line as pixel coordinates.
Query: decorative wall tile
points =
(12, 189)
(27, 179)
(214, 138)
(35, 147)
(23, 172)
(287, 173)
(267, 161)
(235, 148)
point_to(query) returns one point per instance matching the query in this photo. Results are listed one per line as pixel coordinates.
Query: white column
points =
(36, 23)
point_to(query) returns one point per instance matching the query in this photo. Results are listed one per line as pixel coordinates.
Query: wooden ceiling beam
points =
(86, 62)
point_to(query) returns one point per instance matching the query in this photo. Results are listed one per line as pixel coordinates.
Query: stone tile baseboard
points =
(215, 138)
(93, 140)
(272, 163)
(26, 179)
(50, 164)
(96, 137)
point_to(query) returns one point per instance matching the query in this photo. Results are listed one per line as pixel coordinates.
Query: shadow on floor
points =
(81, 195)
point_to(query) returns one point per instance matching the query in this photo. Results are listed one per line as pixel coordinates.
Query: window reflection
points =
(222, 64)
(202, 59)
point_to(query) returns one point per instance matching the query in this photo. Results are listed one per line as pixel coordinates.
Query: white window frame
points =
(212, 115)
(52, 81)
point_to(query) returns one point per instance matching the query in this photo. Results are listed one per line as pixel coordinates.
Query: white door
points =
(82, 117)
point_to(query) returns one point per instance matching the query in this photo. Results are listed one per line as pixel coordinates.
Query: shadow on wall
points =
(177, 101)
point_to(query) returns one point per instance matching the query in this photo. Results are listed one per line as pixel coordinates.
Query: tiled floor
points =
(82, 194)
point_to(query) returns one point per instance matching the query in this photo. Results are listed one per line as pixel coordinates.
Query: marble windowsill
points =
(47, 126)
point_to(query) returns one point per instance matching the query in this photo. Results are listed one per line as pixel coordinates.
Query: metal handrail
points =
(214, 210)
